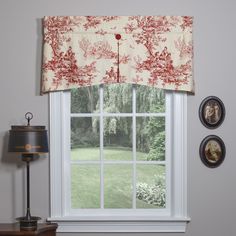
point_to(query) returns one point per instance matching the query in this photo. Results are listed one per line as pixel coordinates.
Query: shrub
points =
(89, 139)
(152, 194)
(157, 149)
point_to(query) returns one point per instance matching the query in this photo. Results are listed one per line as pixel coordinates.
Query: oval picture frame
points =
(212, 112)
(212, 151)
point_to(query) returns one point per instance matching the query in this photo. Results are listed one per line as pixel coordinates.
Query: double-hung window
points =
(118, 159)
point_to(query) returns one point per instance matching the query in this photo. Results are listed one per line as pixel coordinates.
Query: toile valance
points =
(90, 50)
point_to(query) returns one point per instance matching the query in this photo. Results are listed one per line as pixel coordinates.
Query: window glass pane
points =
(118, 186)
(117, 98)
(150, 138)
(150, 99)
(117, 146)
(117, 138)
(85, 186)
(85, 138)
(150, 186)
(85, 100)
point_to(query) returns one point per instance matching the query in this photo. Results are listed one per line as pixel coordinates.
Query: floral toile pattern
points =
(90, 50)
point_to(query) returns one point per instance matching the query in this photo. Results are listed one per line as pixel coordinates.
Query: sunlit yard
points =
(131, 134)
(116, 153)
(117, 178)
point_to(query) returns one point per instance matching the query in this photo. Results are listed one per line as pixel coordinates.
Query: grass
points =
(85, 183)
(110, 153)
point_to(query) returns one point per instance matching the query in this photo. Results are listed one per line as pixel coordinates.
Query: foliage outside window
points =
(118, 147)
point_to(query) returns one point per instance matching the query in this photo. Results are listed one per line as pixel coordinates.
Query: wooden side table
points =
(47, 229)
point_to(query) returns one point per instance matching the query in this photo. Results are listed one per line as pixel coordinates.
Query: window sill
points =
(164, 225)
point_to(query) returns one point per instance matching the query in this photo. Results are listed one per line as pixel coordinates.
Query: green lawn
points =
(117, 153)
(117, 178)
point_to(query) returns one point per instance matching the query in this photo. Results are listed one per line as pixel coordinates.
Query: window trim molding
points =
(176, 222)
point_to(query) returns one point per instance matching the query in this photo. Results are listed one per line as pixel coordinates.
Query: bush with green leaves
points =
(157, 149)
(89, 139)
(152, 194)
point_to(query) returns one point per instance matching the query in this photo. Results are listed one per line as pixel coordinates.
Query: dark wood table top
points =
(14, 229)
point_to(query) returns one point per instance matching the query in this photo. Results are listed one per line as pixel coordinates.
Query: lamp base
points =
(28, 223)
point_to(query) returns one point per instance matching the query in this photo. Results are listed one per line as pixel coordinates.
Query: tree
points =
(117, 98)
(84, 131)
(150, 130)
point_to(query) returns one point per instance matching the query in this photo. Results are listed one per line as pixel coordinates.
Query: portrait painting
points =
(212, 112)
(212, 151)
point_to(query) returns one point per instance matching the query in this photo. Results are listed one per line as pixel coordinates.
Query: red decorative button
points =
(118, 36)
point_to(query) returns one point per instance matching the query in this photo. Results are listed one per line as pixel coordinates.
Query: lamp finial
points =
(28, 116)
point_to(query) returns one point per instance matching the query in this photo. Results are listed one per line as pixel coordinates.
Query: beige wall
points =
(211, 192)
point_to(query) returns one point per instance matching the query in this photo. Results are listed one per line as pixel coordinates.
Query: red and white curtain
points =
(91, 50)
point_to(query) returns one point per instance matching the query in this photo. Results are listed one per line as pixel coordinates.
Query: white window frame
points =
(173, 219)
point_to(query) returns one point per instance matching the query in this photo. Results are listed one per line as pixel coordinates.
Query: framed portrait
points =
(212, 112)
(212, 151)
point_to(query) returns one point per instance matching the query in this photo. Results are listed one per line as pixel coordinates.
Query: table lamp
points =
(28, 141)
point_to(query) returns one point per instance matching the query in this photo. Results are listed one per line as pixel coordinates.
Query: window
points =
(118, 159)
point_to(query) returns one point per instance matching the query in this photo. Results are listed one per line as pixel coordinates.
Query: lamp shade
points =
(28, 139)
